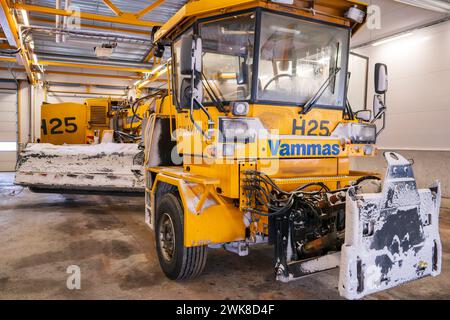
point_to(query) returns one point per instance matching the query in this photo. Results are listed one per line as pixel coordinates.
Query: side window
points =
(228, 46)
(176, 67)
(357, 90)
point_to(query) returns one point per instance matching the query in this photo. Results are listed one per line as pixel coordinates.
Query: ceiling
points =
(133, 47)
(395, 17)
(103, 23)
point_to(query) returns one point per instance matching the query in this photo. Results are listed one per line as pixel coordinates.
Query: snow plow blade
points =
(391, 237)
(108, 168)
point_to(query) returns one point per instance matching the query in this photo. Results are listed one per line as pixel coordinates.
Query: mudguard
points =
(391, 237)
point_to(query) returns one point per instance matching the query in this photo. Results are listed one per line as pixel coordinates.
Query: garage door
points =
(8, 129)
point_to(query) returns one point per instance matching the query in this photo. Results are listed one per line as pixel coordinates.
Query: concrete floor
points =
(41, 235)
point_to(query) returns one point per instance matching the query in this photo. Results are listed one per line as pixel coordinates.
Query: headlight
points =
(357, 133)
(238, 129)
(240, 108)
(363, 133)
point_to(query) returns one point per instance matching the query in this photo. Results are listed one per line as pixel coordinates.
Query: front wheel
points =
(177, 261)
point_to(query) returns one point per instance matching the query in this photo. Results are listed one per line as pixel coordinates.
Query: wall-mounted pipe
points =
(67, 6)
(58, 20)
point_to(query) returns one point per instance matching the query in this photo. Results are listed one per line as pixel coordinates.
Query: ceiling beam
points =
(125, 18)
(68, 83)
(91, 66)
(87, 92)
(10, 28)
(155, 78)
(113, 8)
(146, 10)
(92, 75)
(8, 59)
(75, 74)
(91, 26)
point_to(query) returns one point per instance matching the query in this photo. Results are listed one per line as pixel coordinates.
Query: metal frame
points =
(121, 17)
(367, 75)
(258, 11)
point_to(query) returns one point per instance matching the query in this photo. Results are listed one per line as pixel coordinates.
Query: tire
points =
(177, 261)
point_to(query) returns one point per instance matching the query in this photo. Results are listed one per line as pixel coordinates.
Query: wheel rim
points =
(167, 237)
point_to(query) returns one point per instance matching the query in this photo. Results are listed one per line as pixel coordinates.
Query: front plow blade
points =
(391, 237)
(109, 168)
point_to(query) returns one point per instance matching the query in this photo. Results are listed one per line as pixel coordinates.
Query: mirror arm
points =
(194, 100)
(381, 114)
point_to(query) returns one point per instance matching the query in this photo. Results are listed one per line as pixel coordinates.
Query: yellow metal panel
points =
(288, 168)
(217, 222)
(63, 123)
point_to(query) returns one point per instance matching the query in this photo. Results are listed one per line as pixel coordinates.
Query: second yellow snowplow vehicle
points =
(93, 148)
(253, 145)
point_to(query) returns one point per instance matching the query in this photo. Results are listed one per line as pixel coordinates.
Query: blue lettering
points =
(285, 150)
(336, 150)
(314, 150)
(326, 150)
(298, 149)
(274, 148)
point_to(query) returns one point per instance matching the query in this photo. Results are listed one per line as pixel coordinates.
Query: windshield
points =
(296, 57)
(228, 56)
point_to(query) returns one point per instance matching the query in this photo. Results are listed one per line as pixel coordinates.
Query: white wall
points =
(418, 101)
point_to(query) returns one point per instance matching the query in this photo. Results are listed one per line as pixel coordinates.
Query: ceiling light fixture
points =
(35, 59)
(400, 36)
(26, 21)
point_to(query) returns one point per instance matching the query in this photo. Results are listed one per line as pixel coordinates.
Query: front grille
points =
(98, 115)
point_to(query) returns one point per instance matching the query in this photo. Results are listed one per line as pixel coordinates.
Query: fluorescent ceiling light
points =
(285, 30)
(434, 5)
(26, 21)
(392, 39)
(157, 68)
(35, 59)
(235, 32)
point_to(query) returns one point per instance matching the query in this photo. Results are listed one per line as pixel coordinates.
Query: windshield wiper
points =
(210, 91)
(311, 102)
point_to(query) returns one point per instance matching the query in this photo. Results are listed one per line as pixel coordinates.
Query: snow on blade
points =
(108, 166)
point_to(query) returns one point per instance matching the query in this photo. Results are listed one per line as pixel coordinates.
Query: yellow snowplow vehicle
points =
(253, 145)
(87, 148)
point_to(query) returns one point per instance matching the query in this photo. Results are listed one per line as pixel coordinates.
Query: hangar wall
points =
(418, 102)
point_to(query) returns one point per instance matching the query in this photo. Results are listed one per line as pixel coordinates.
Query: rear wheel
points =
(177, 261)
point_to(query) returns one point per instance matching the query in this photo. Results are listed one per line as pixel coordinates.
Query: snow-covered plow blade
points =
(391, 237)
(93, 169)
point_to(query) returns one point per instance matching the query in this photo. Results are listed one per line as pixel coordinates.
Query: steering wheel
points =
(278, 76)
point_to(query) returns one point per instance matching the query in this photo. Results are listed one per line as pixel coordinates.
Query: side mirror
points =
(381, 78)
(364, 115)
(190, 55)
(242, 77)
